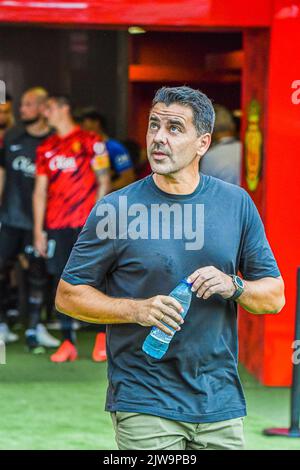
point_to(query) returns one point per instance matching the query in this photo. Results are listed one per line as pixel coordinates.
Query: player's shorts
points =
(62, 241)
(13, 241)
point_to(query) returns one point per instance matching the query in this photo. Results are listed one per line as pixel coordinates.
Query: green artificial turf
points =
(60, 406)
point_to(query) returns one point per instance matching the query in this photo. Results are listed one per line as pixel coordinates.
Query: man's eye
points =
(174, 129)
(153, 125)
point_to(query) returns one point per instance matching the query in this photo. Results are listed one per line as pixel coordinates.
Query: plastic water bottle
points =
(157, 342)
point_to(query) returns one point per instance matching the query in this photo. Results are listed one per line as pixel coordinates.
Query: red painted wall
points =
(282, 199)
(252, 341)
(266, 342)
(180, 13)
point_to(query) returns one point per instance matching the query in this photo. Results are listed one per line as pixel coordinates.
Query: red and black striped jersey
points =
(70, 163)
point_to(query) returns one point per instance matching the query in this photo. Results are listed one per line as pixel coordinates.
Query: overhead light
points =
(136, 30)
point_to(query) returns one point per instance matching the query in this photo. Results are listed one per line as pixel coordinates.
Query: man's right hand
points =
(158, 309)
(40, 243)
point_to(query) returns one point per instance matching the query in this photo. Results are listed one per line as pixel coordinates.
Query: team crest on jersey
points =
(76, 146)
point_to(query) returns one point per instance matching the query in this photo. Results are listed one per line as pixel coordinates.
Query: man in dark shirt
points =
(6, 117)
(17, 161)
(141, 241)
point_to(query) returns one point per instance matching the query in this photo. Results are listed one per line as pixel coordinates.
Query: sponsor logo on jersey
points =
(60, 162)
(15, 148)
(122, 159)
(25, 165)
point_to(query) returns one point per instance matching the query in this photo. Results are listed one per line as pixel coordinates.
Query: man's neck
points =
(65, 127)
(39, 128)
(183, 182)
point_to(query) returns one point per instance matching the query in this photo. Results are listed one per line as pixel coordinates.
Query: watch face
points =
(239, 282)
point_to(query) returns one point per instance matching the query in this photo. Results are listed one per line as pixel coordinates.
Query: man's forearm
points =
(88, 304)
(39, 209)
(263, 296)
(104, 185)
(2, 179)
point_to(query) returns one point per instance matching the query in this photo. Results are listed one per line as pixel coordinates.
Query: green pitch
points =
(60, 406)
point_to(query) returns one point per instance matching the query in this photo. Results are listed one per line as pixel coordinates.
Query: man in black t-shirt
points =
(17, 160)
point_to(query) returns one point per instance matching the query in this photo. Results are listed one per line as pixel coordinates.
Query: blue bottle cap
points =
(186, 282)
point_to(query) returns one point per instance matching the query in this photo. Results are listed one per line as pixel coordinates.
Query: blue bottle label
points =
(160, 335)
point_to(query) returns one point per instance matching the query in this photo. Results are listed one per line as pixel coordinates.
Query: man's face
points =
(54, 112)
(5, 115)
(31, 108)
(91, 125)
(172, 139)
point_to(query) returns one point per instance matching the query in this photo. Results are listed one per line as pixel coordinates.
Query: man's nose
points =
(160, 136)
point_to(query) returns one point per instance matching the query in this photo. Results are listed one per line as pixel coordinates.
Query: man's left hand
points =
(210, 280)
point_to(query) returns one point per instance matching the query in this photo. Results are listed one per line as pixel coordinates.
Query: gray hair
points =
(201, 105)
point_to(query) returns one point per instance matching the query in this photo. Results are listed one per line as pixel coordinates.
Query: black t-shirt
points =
(17, 157)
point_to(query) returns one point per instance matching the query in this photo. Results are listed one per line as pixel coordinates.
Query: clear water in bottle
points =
(157, 342)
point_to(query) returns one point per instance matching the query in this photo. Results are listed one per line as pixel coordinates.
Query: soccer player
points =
(122, 174)
(17, 161)
(73, 171)
(6, 117)
(120, 161)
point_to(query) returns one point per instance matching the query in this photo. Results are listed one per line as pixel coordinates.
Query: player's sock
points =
(67, 329)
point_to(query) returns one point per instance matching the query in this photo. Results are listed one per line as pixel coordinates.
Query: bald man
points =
(223, 159)
(6, 117)
(17, 162)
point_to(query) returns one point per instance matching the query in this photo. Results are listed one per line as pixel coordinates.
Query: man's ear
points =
(204, 142)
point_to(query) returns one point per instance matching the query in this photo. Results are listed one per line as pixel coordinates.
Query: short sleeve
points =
(257, 259)
(93, 255)
(99, 154)
(41, 167)
(119, 157)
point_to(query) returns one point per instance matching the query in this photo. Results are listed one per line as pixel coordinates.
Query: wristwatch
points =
(239, 287)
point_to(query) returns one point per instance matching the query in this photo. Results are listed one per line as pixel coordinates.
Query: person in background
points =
(17, 162)
(139, 159)
(6, 122)
(72, 172)
(120, 161)
(6, 117)
(223, 160)
(123, 173)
